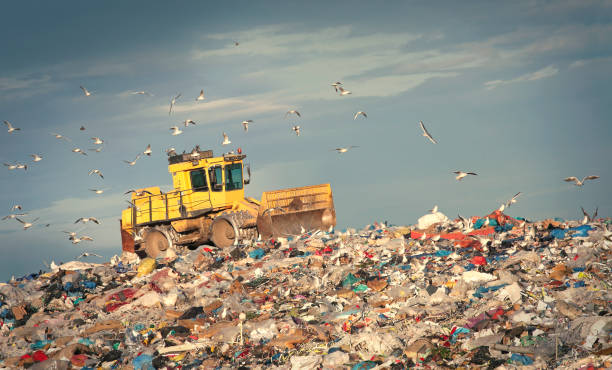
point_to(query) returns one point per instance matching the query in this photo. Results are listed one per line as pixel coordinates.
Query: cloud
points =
(533, 76)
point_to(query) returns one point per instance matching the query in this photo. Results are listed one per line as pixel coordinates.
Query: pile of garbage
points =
(494, 292)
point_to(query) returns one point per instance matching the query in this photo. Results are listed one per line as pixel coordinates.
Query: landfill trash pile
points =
(494, 292)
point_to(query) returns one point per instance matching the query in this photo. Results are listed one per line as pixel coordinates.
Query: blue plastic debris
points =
(443, 253)
(364, 365)
(579, 284)
(143, 362)
(257, 253)
(580, 231)
(521, 359)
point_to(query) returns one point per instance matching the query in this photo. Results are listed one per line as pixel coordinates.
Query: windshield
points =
(233, 176)
(198, 180)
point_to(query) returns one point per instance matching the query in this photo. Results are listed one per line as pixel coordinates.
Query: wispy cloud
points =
(533, 76)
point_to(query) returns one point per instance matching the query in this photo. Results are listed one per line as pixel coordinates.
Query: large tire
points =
(155, 242)
(223, 234)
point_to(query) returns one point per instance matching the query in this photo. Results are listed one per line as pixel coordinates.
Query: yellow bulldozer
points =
(208, 205)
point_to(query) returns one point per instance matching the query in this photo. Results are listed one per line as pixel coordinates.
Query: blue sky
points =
(517, 92)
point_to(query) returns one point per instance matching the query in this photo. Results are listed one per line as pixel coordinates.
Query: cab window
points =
(216, 178)
(233, 176)
(198, 180)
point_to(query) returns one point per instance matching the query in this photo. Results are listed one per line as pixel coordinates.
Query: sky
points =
(518, 92)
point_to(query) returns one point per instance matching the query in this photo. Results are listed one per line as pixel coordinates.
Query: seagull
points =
(293, 111)
(97, 191)
(236, 43)
(245, 124)
(580, 183)
(513, 200)
(502, 207)
(78, 150)
(296, 129)
(37, 157)
(16, 207)
(426, 133)
(97, 140)
(147, 150)
(10, 166)
(358, 113)
(82, 128)
(71, 234)
(10, 127)
(13, 215)
(58, 136)
(97, 172)
(344, 150)
(461, 174)
(88, 254)
(26, 225)
(188, 121)
(336, 85)
(466, 223)
(22, 166)
(172, 102)
(86, 220)
(195, 153)
(176, 130)
(98, 149)
(141, 93)
(588, 218)
(132, 162)
(434, 209)
(201, 96)
(226, 139)
(170, 152)
(87, 93)
(343, 91)
(76, 239)
(138, 193)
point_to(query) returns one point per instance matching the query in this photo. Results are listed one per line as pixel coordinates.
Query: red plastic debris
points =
(479, 260)
(39, 356)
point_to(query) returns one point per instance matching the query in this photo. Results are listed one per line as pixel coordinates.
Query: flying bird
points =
(426, 133)
(226, 139)
(76, 240)
(201, 96)
(513, 200)
(589, 218)
(360, 113)
(58, 136)
(343, 91)
(78, 150)
(176, 130)
(87, 254)
(296, 129)
(98, 149)
(16, 207)
(147, 151)
(187, 122)
(22, 166)
(13, 215)
(245, 124)
(132, 162)
(97, 172)
(346, 149)
(138, 193)
(26, 225)
(170, 152)
(434, 209)
(580, 182)
(82, 128)
(293, 111)
(97, 191)
(172, 102)
(87, 93)
(86, 220)
(10, 166)
(461, 174)
(97, 140)
(142, 93)
(10, 127)
(336, 85)
(37, 157)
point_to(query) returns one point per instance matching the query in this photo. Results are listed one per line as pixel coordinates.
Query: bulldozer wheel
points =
(155, 242)
(223, 234)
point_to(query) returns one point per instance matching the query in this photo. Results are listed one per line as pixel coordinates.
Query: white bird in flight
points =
(97, 172)
(132, 162)
(346, 149)
(78, 150)
(173, 101)
(88, 254)
(245, 124)
(22, 166)
(10, 166)
(85, 91)
(336, 85)
(97, 140)
(360, 113)
(426, 133)
(187, 122)
(16, 207)
(86, 220)
(201, 96)
(148, 150)
(78, 239)
(97, 191)
(37, 157)
(580, 182)
(98, 149)
(296, 128)
(142, 93)
(343, 91)
(226, 139)
(461, 174)
(10, 127)
(58, 136)
(26, 225)
(513, 200)
(293, 111)
(13, 215)
(176, 130)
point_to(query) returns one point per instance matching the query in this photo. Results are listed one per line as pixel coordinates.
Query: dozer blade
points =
(293, 211)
